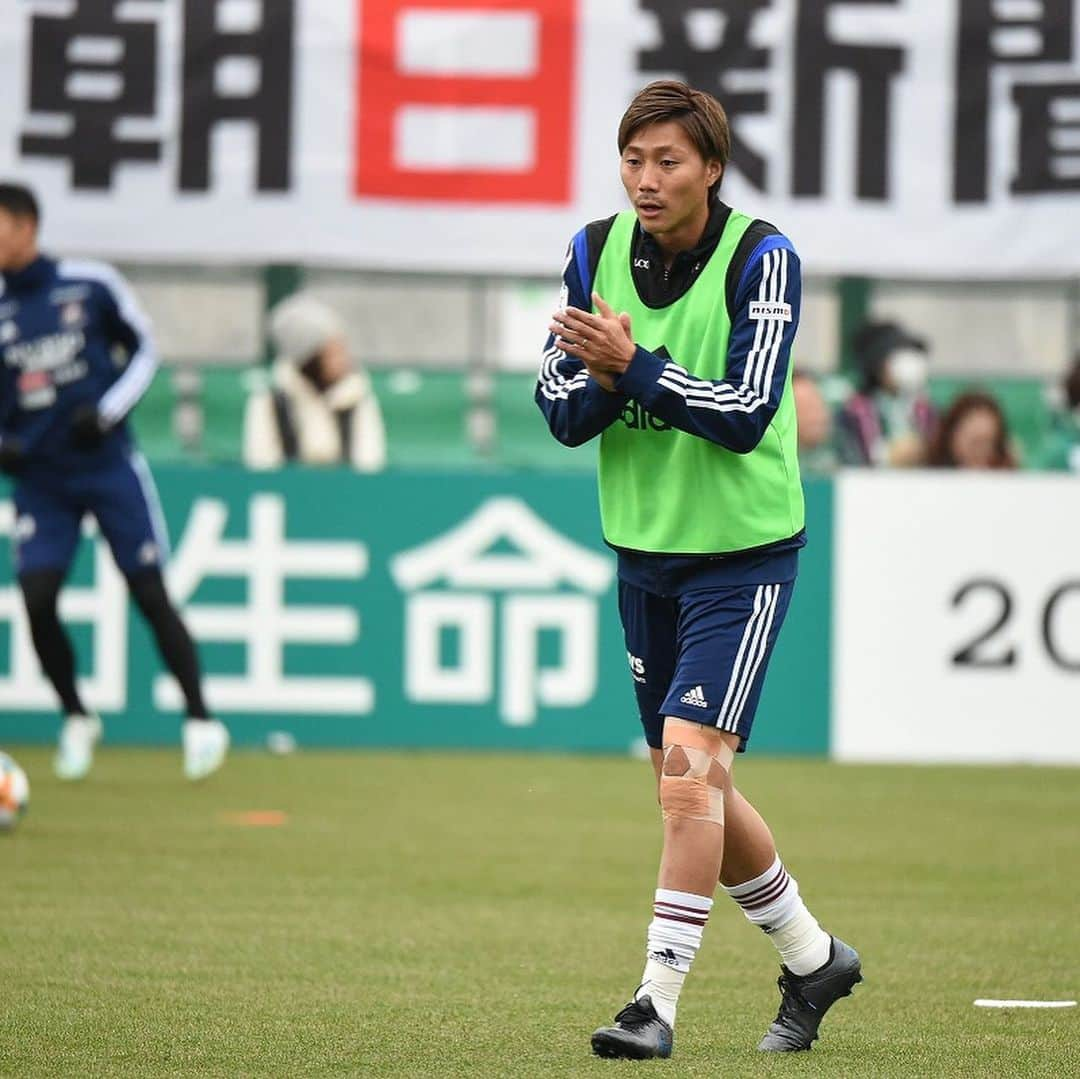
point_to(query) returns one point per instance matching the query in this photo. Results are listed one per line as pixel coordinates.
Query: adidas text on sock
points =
(675, 932)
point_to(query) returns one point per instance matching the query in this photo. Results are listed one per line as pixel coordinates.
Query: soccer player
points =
(77, 355)
(672, 342)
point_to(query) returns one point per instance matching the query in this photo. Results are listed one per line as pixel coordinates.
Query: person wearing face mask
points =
(318, 409)
(1060, 450)
(889, 420)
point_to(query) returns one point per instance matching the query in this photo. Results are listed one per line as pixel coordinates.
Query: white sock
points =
(772, 902)
(674, 937)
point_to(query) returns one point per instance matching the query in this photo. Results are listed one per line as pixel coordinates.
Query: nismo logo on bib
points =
(768, 311)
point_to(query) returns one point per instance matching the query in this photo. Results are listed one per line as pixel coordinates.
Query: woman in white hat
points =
(317, 409)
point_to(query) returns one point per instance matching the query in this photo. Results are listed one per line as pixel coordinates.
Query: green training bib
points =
(663, 490)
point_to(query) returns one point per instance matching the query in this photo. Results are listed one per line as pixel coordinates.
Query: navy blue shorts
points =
(701, 656)
(122, 498)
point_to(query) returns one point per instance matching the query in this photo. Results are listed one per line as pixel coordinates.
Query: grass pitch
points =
(479, 915)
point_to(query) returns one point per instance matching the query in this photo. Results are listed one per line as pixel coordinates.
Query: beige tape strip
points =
(690, 796)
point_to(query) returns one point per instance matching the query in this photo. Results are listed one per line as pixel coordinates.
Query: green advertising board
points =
(430, 610)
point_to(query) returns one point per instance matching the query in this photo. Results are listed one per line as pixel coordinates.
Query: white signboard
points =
(924, 138)
(957, 607)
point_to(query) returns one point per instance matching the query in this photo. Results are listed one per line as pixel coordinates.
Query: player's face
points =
(17, 243)
(668, 181)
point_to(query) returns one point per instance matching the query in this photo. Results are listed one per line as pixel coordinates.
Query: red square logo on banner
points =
(466, 100)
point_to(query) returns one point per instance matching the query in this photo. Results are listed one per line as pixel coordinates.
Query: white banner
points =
(957, 607)
(923, 138)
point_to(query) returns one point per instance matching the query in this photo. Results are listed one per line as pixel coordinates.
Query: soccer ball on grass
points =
(14, 792)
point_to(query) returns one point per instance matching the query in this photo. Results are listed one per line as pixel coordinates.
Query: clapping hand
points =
(603, 342)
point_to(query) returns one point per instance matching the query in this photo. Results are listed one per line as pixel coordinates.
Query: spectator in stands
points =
(817, 449)
(319, 408)
(889, 419)
(973, 434)
(1061, 448)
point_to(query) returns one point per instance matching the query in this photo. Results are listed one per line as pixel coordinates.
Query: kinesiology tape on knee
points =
(693, 777)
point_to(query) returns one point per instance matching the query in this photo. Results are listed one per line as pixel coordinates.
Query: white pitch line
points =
(1025, 1003)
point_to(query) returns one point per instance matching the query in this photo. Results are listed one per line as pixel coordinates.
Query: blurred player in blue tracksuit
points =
(77, 356)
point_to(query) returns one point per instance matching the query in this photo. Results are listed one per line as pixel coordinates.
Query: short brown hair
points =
(699, 114)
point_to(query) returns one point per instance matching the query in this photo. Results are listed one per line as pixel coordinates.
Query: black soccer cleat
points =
(806, 998)
(638, 1034)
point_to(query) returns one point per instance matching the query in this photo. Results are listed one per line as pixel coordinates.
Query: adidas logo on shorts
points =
(695, 697)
